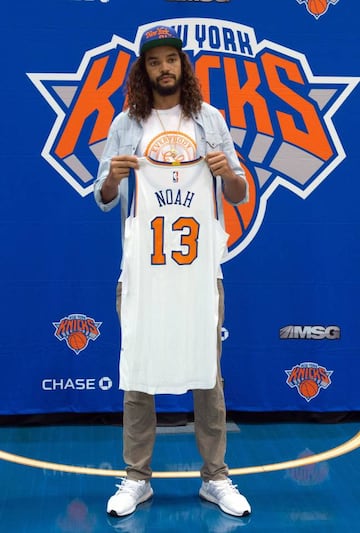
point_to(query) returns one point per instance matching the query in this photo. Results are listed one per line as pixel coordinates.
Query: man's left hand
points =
(218, 164)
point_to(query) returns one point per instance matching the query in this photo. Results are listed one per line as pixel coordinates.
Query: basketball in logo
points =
(308, 388)
(317, 7)
(77, 341)
(239, 218)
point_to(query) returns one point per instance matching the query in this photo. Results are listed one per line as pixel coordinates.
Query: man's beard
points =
(166, 91)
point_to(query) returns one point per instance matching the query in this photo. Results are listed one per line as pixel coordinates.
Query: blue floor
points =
(323, 497)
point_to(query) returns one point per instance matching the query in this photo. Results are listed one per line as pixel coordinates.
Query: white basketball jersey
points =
(171, 259)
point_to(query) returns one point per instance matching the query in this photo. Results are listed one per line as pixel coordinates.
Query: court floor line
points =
(348, 446)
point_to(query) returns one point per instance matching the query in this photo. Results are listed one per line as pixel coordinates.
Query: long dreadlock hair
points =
(139, 91)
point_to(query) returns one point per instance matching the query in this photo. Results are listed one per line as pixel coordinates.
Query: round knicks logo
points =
(278, 112)
(308, 379)
(317, 7)
(309, 475)
(77, 330)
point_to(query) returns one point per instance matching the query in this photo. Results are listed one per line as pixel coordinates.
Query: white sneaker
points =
(226, 496)
(128, 496)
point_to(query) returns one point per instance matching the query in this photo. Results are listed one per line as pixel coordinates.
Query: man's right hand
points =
(119, 168)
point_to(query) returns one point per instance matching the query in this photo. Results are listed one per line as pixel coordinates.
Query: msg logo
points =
(310, 332)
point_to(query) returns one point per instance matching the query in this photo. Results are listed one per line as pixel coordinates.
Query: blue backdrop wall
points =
(285, 75)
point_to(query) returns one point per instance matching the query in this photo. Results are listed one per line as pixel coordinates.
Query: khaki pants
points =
(139, 422)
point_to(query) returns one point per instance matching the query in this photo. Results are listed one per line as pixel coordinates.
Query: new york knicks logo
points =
(308, 475)
(308, 379)
(317, 7)
(278, 112)
(77, 330)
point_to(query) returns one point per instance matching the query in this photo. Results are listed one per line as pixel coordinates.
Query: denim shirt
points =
(211, 134)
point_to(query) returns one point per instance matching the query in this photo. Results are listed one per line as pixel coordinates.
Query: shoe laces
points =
(224, 486)
(129, 486)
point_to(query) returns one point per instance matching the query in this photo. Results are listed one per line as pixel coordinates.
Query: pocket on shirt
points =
(213, 141)
(126, 149)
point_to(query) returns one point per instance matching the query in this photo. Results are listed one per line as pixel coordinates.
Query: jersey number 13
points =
(188, 229)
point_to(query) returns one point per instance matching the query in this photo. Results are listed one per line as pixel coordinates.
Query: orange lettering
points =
(247, 94)
(202, 67)
(93, 98)
(312, 138)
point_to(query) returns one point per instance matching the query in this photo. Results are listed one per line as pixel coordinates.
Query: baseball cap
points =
(159, 36)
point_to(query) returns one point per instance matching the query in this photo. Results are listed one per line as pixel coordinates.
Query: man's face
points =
(163, 66)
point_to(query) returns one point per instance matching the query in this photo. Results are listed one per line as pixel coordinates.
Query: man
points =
(168, 122)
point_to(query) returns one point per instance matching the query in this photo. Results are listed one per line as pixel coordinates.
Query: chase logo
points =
(77, 330)
(308, 379)
(278, 111)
